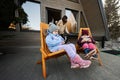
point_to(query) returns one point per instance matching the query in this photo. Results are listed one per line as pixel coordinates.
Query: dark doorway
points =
(53, 15)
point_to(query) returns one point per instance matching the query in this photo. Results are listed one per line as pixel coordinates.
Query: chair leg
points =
(43, 67)
(98, 53)
(99, 58)
(90, 53)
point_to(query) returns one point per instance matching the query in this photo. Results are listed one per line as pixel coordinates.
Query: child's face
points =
(55, 32)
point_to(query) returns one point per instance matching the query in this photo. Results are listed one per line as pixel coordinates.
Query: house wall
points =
(94, 17)
(91, 11)
(60, 5)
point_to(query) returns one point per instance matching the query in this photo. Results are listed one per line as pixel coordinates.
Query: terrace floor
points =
(19, 63)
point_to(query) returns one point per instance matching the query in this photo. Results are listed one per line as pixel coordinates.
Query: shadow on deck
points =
(20, 64)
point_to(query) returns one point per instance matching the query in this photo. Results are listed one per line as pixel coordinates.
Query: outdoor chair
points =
(79, 49)
(46, 54)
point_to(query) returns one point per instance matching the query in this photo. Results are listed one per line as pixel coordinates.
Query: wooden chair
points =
(46, 54)
(80, 48)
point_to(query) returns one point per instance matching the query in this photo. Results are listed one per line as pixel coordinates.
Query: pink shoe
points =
(85, 64)
(74, 65)
(82, 63)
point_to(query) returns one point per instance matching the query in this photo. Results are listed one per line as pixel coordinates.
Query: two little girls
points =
(55, 42)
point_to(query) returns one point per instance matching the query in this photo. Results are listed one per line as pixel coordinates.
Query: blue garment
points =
(87, 50)
(53, 41)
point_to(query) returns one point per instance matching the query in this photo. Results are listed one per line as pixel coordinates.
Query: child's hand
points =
(63, 42)
(89, 40)
(83, 41)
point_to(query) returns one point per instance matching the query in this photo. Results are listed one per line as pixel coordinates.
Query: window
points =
(33, 11)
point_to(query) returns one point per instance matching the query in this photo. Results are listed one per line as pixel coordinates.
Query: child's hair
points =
(64, 17)
(85, 32)
(52, 27)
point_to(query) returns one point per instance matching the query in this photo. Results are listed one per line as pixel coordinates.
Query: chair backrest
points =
(43, 33)
(80, 32)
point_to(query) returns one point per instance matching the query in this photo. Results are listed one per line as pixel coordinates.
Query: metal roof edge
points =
(107, 36)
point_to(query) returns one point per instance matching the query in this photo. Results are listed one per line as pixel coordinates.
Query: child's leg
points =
(82, 63)
(85, 45)
(91, 46)
(85, 48)
(86, 51)
(73, 46)
(90, 53)
(76, 60)
(69, 50)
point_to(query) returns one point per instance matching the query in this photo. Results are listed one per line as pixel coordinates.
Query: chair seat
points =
(55, 53)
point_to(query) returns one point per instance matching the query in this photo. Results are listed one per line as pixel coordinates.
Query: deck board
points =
(20, 64)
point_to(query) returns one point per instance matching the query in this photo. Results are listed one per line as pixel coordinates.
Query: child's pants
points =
(76, 60)
(89, 46)
(70, 49)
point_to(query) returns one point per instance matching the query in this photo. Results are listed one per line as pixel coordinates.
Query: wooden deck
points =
(20, 64)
